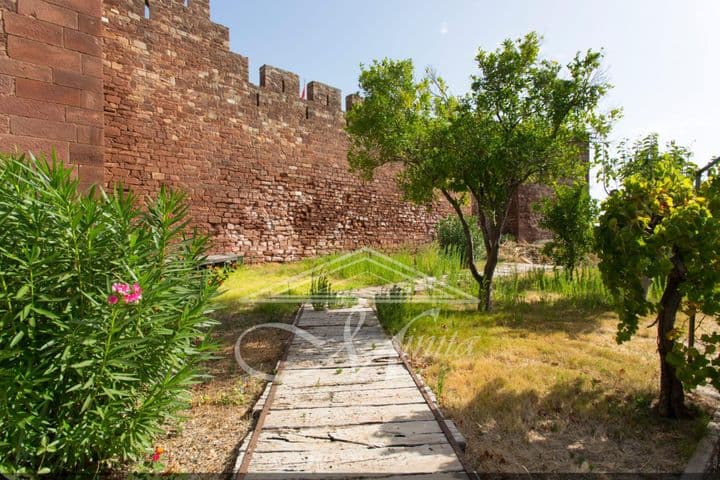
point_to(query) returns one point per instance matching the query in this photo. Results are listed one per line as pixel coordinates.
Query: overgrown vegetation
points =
(657, 226)
(103, 316)
(570, 215)
(452, 240)
(361, 271)
(585, 290)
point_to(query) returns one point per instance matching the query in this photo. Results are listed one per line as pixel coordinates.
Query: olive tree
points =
(524, 120)
(657, 226)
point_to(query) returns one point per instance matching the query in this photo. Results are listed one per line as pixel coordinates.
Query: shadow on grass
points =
(573, 427)
(557, 316)
(549, 316)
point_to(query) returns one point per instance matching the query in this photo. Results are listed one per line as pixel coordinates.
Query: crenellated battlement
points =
(265, 169)
(189, 21)
(324, 95)
(276, 80)
(167, 9)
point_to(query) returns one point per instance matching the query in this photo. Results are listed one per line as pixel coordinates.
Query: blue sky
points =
(663, 56)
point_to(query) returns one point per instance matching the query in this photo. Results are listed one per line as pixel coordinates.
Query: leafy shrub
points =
(570, 216)
(103, 319)
(321, 294)
(391, 306)
(451, 237)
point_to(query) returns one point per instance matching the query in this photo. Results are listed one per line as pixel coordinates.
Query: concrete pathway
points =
(343, 403)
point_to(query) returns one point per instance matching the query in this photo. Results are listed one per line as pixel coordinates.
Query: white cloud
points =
(444, 28)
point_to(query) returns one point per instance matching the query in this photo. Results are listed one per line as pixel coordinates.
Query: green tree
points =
(657, 226)
(570, 216)
(524, 120)
(641, 158)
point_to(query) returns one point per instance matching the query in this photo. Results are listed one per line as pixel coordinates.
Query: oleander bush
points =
(103, 319)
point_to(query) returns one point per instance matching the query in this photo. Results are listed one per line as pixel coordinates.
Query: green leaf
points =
(86, 403)
(17, 338)
(22, 292)
(45, 313)
(83, 364)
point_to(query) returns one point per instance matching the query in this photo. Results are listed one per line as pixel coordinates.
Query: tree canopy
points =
(657, 226)
(570, 216)
(525, 119)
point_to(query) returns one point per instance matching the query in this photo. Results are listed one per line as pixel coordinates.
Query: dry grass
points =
(220, 414)
(549, 390)
(539, 386)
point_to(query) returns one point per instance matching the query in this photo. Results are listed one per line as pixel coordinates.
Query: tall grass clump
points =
(391, 306)
(451, 237)
(322, 296)
(103, 320)
(584, 289)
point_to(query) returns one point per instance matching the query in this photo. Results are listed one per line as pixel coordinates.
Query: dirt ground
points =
(220, 415)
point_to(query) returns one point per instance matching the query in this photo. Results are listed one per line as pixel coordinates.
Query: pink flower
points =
(121, 288)
(156, 455)
(129, 294)
(133, 298)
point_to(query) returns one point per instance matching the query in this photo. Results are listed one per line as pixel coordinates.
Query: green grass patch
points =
(344, 272)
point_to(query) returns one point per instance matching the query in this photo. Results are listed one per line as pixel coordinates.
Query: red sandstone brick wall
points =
(266, 172)
(523, 220)
(51, 86)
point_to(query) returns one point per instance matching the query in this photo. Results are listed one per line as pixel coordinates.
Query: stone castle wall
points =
(51, 81)
(265, 170)
(163, 101)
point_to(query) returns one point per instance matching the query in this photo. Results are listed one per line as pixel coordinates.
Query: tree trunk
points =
(470, 247)
(672, 396)
(489, 273)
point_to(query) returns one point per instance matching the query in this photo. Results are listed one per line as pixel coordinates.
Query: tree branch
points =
(468, 236)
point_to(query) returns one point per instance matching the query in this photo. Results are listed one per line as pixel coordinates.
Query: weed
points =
(321, 295)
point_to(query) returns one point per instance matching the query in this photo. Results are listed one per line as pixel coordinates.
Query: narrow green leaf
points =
(17, 338)
(81, 365)
(22, 292)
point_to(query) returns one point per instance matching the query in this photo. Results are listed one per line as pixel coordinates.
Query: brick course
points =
(53, 102)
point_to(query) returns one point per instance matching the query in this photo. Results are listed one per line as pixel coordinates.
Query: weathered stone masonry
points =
(51, 81)
(265, 171)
